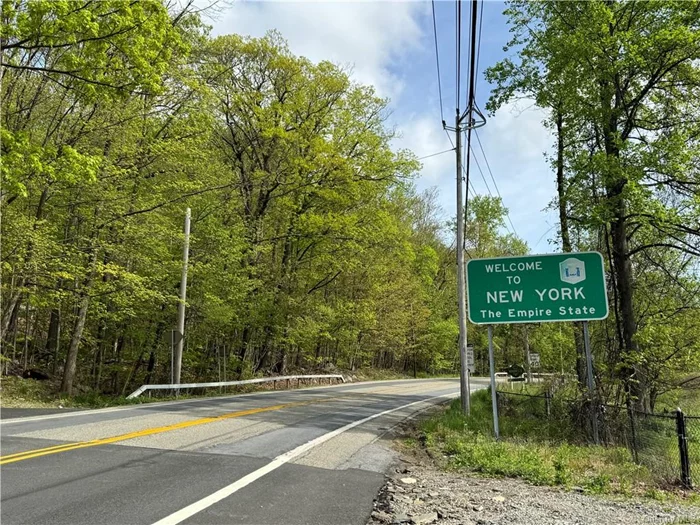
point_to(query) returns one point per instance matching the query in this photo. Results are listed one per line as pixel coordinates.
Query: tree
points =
(622, 73)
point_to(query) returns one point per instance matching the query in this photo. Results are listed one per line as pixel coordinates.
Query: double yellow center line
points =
(29, 454)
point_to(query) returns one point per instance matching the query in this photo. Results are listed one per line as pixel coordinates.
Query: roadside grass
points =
(16, 392)
(687, 399)
(537, 451)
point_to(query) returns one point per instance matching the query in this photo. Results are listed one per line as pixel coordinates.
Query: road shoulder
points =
(418, 492)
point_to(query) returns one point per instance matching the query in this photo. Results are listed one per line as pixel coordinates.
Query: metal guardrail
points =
(144, 388)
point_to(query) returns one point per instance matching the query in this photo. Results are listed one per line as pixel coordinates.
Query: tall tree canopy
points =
(310, 247)
(621, 80)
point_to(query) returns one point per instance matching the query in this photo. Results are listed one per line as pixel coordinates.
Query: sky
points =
(391, 46)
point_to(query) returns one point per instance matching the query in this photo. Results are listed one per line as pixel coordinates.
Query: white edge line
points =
(143, 406)
(206, 502)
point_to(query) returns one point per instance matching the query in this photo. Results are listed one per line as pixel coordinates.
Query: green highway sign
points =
(537, 288)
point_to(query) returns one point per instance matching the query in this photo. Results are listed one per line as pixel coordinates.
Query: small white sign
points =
(470, 358)
(534, 360)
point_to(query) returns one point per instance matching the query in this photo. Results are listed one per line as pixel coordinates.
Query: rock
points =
(408, 481)
(477, 508)
(418, 501)
(400, 489)
(381, 516)
(390, 489)
(424, 519)
(433, 494)
(441, 514)
(580, 490)
(500, 499)
(401, 518)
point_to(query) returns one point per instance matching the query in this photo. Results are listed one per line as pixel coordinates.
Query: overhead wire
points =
(472, 103)
(458, 43)
(435, 154)
(437, 61)
(488, 167)
(476, 161)
(478, 49)
(471, 99)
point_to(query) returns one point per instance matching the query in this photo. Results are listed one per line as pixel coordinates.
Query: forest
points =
(311, 248)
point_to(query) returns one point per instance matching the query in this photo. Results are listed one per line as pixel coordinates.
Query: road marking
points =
(65, 447)
(204, 503)
(29, 454)
(143, 406)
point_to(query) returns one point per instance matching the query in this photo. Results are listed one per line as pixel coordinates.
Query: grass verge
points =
(529, 453)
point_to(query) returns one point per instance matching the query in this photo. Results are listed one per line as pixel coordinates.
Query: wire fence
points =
(667, 443)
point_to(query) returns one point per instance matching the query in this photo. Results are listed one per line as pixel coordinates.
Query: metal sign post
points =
(591, 385)
(494, 398)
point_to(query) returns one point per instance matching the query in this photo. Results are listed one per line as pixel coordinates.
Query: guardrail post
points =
(686, 481)
(548, 402)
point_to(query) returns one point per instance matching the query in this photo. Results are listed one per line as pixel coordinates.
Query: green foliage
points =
(526, 453)
(310, 247)
(618, 80)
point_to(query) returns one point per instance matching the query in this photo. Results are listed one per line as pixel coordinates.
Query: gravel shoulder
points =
(419, 492)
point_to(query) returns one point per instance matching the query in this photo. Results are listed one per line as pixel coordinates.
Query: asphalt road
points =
(312, 456)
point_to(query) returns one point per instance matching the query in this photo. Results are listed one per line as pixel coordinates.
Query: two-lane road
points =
(295, 457)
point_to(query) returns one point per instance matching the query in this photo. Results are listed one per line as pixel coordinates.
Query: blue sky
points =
(390, 45)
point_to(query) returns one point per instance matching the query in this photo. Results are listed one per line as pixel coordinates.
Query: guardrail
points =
(144, 388)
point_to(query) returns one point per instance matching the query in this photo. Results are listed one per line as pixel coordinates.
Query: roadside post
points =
(547, 288)
(172, 337)
(494, 395)
(591, 386)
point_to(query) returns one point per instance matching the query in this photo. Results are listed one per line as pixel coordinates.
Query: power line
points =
(476, 161)
(448, 135)
(470, 102)
(478, 49)
(437, 61)
(458, 42)
(435, 154)
(488, 166)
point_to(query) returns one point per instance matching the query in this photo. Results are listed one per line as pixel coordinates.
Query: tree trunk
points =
(72, 357)
(615, 185)
(52, 337)
(566, 242)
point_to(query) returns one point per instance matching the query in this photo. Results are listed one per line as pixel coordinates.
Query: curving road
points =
(309, 456)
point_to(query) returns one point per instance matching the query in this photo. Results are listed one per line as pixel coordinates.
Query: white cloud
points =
(515, 140)
(366, 36)
(379, 40)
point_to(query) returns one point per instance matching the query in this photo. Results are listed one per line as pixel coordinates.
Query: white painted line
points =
(143, 406)
(204, 503)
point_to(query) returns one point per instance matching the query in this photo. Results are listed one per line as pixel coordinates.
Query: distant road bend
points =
(295, 457)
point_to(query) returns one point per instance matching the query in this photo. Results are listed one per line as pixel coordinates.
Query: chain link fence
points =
(667, 443)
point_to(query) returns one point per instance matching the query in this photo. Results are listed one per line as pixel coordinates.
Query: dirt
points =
(419, 492)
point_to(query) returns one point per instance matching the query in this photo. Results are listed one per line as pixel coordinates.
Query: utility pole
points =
(461, 284)
(468, 115)
(183, 297)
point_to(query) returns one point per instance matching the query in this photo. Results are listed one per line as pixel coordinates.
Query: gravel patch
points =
(420, 494)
